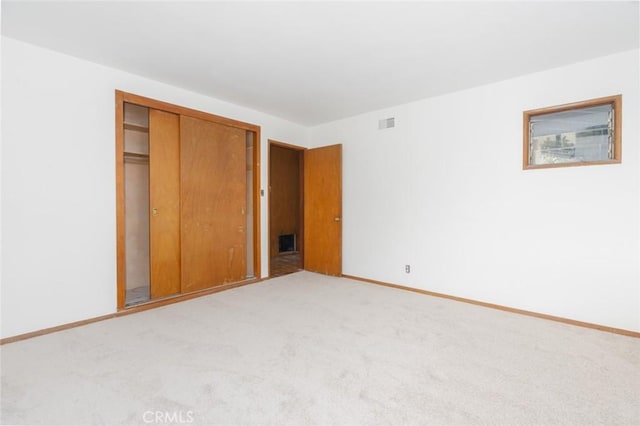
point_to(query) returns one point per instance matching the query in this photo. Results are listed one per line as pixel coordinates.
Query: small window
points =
(578, 134)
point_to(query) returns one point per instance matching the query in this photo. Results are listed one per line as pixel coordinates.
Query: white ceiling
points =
(313, 62)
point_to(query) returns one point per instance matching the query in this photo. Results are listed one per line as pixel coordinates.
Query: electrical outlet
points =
(407, 269)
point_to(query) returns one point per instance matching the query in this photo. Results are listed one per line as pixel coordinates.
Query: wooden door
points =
(214, 200)
(164, 203)
(323, 210)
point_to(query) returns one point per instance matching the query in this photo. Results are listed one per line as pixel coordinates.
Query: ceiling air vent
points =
(386, 123)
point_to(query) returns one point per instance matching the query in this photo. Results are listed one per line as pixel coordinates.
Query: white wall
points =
(58, 181)
(445, 192)
(1, 144)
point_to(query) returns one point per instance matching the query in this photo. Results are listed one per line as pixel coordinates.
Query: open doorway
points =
(286, 236)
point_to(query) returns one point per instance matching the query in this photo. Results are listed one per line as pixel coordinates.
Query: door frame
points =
(120, 99)
(300, 150)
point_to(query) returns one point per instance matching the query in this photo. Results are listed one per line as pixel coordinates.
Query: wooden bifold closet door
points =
(213, 194)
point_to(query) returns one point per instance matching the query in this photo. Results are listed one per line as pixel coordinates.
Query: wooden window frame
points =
(120, 99)
(614, 101)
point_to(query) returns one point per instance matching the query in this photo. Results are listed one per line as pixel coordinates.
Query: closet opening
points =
(136, 189)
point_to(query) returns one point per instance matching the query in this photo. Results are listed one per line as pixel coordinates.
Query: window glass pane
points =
(577, 135)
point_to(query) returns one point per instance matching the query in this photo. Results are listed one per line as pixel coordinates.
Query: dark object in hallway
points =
(286, 243)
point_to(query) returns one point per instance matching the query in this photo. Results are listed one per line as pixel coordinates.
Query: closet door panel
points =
(164, 203)
(213, 203)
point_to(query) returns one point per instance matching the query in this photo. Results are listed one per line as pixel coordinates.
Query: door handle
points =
(154, 212)
(337, 219)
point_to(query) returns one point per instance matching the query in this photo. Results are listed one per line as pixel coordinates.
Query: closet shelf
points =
(135, 155)
(136, 128)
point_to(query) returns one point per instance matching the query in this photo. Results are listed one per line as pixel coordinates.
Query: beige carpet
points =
(308, 349)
